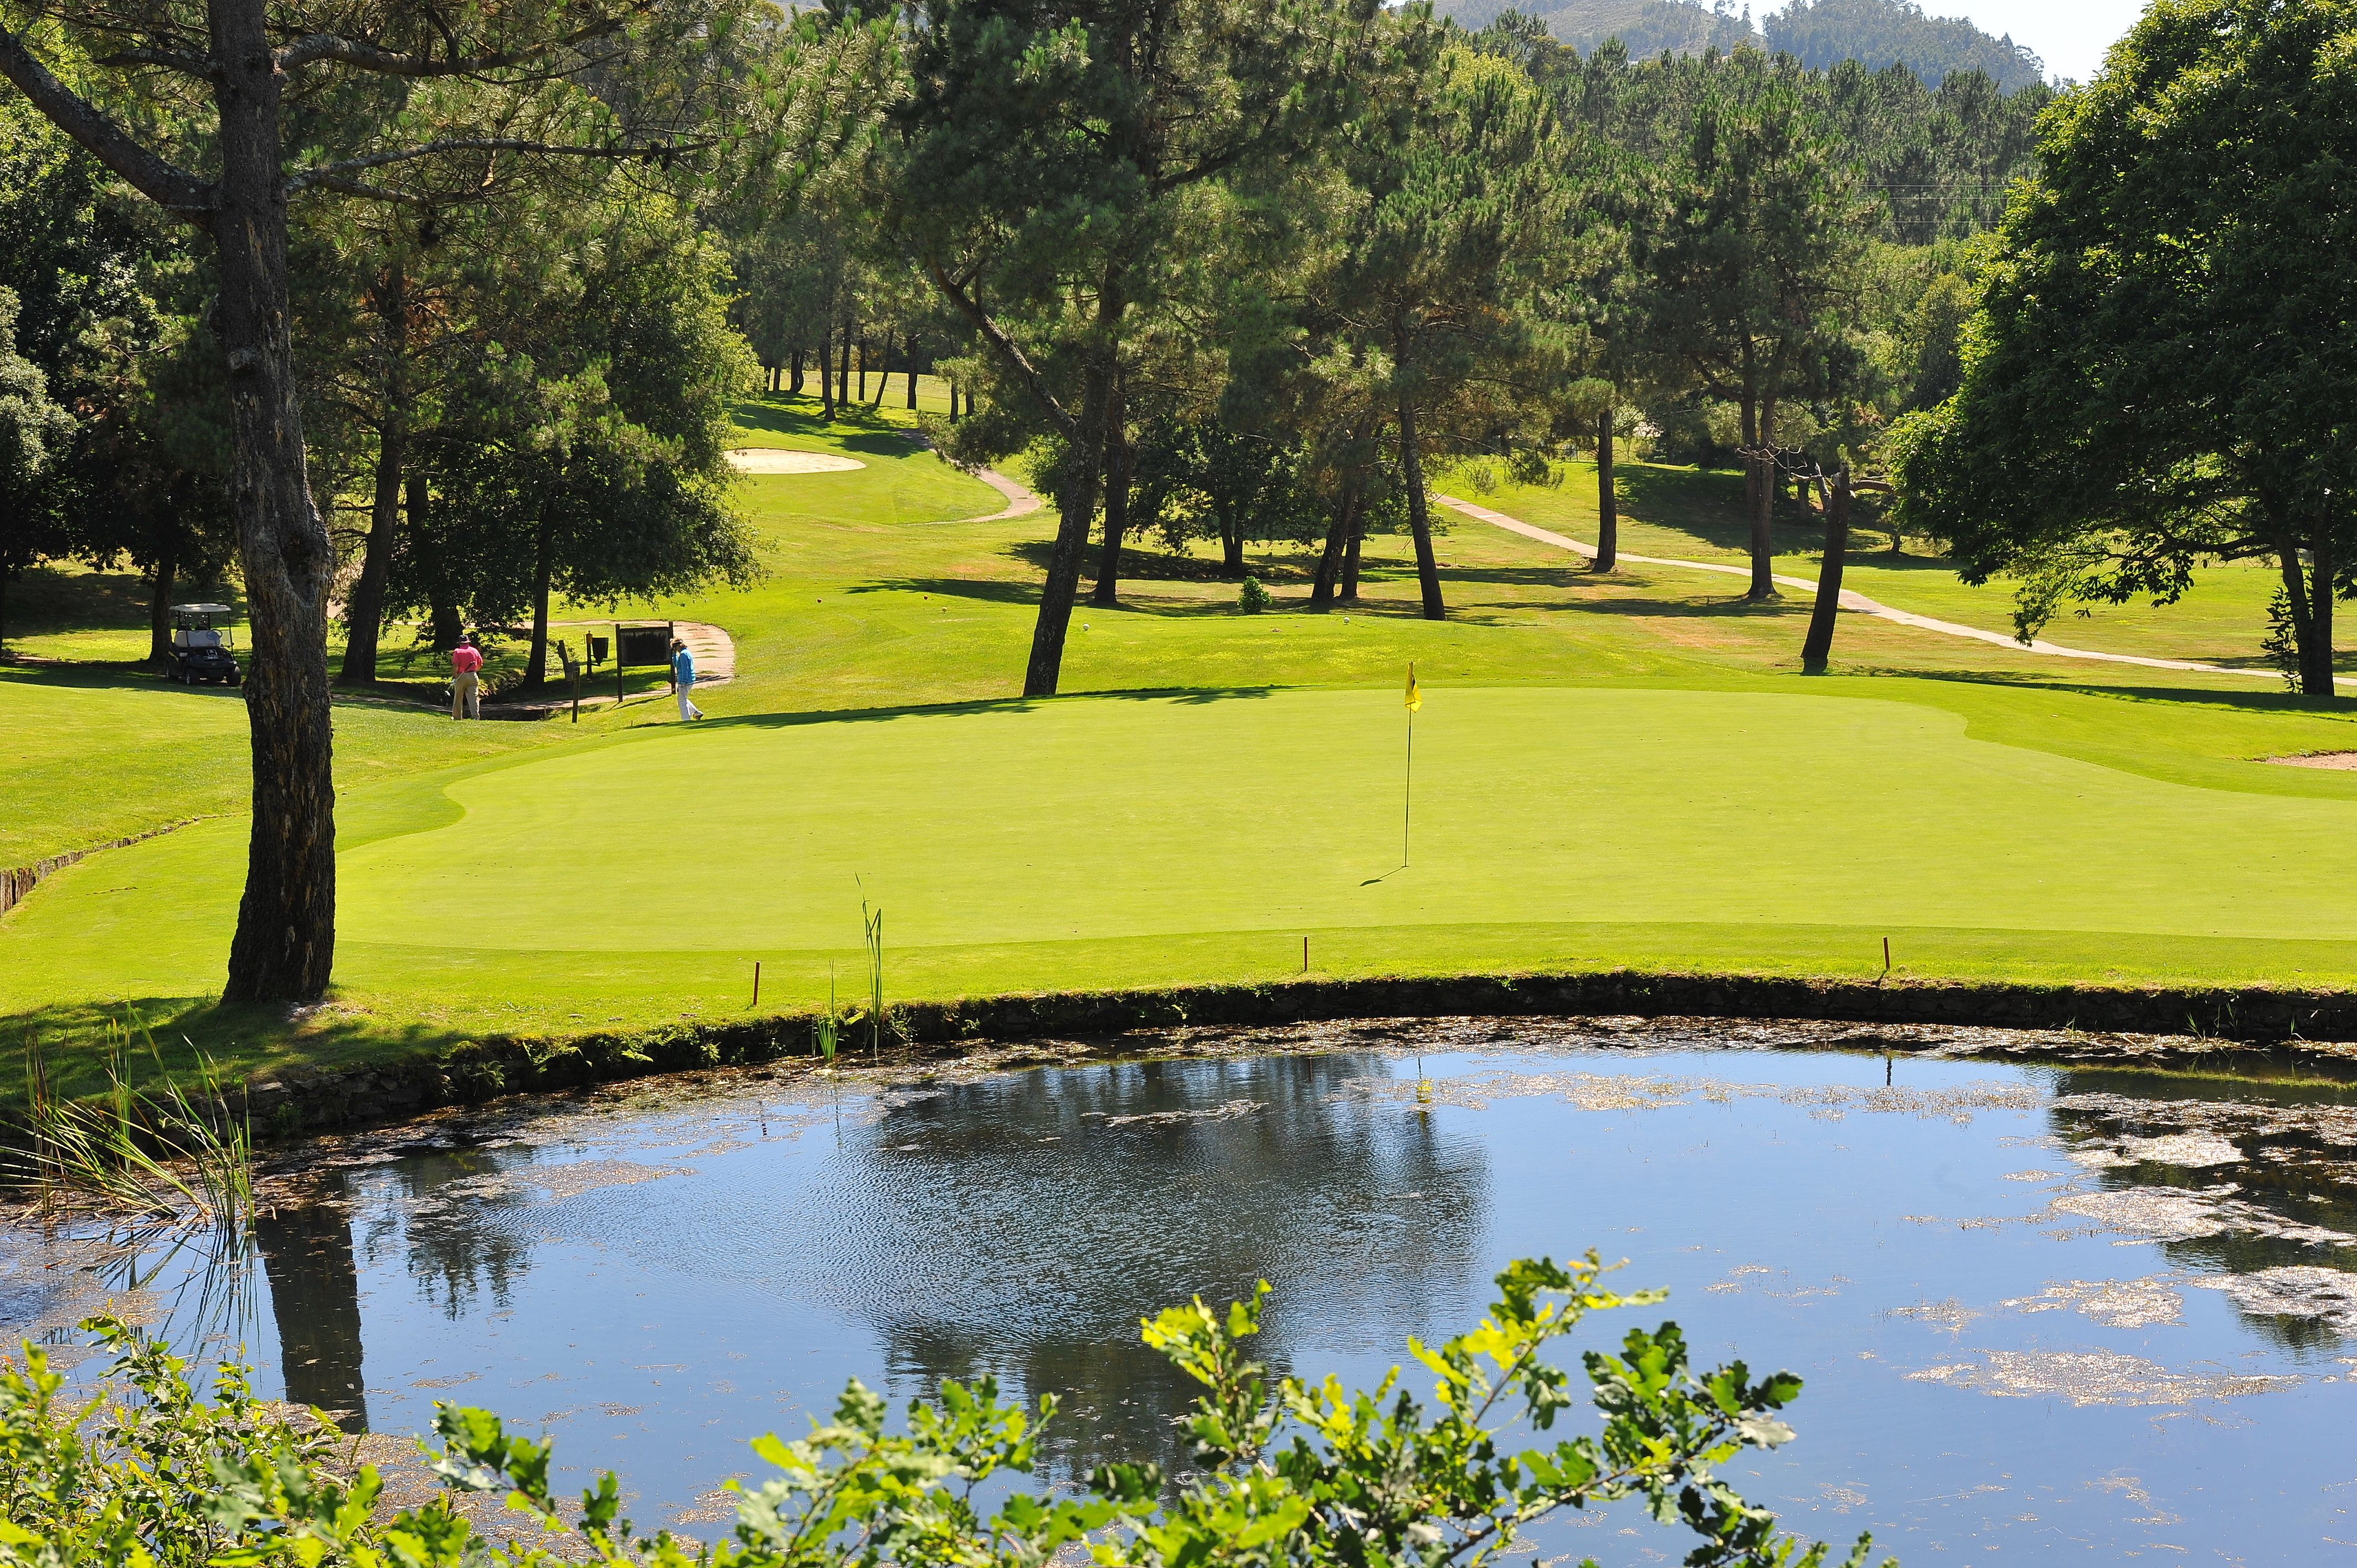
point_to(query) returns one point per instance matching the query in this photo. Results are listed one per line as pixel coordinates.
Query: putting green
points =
(1106, 840)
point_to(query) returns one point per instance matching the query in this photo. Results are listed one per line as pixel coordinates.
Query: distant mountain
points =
(1818, 32)
(1883, 32)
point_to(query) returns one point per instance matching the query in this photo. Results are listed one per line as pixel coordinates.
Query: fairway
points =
(1201, 836)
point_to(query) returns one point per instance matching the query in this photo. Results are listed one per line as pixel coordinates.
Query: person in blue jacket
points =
(683, 674)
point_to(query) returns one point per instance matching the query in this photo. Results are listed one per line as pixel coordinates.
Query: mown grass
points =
(1618, 770)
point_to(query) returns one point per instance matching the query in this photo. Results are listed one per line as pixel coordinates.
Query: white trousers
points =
(688, 710)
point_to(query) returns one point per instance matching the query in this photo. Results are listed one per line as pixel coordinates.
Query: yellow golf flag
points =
(1414, 697)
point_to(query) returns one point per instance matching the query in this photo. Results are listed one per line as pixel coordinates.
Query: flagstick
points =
(1407, 800)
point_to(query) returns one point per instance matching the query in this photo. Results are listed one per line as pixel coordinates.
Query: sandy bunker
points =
(777, 460)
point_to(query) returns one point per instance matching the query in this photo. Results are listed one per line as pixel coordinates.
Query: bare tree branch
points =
(197, 65)
(173, 188)
(363, 55)
(338, 175)
(996, 336)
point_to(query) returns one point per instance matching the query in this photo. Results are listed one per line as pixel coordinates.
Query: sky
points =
(2071, 35)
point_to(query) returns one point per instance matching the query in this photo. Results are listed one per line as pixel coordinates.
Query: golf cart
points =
(201, 650)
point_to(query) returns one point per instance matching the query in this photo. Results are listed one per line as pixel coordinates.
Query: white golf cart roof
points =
(202, 610)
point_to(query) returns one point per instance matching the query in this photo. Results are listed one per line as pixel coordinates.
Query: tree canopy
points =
(2161, 371)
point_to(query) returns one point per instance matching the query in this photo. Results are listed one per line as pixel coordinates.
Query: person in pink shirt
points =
(466, 678)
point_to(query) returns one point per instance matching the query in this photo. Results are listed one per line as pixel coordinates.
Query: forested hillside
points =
(1820, 33)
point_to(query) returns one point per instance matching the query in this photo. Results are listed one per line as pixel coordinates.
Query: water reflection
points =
(2247, 1188)
(1017, 1226)
(443, 1217)
(315, 1299)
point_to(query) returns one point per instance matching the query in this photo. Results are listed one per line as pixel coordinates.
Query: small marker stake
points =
(757, 982)
(1305, 955)
(1885, 955)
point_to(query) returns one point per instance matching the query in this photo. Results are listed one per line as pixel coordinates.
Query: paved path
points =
(1020, 503)
(1850, 601)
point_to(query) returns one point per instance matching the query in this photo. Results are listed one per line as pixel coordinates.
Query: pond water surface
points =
(2035, 1307)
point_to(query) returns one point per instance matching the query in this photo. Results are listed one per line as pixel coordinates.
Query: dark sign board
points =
(638, 647)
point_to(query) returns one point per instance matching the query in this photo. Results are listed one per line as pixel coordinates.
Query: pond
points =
(2035, 1307)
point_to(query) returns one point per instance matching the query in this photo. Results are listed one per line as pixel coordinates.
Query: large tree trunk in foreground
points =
(1329, 559)
(286, 942)
(1116, 498)
(1419, 520)
(159, 606)
(1607, 505)
(1819, 646)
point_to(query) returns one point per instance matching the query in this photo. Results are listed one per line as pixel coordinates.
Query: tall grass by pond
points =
(174, 1153)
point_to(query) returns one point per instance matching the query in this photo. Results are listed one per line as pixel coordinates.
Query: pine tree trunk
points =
(826, 374)
(1350, 594)
(1077, 506)
(1762, 495)
(2316, 678)
(2310, 590)
(1232, 546)
(843, 385)
(795, 373)
(863, 370)
(442, 608)
(1819, 646)
(1419, 520)
(1329, 559)
(1116, 498)
(159, 608)
(544, 568)
(365, 612)
(285, 942)
(883, 371)
(911, 347)
(1608, 504)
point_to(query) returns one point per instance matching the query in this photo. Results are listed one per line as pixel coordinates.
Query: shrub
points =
(1294, 1475)
(1252, 598)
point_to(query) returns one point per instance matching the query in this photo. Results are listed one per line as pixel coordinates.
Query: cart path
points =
(1852, 601)
(1020, 503)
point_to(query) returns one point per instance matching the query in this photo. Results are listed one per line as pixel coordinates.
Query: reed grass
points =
(179, 1153)
(872, 929)
(829, 1024)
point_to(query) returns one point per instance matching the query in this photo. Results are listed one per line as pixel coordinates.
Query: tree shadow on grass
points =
(238, 1041)
(857, 431)
(2173, 696)
(980, 589)
(1183, 696)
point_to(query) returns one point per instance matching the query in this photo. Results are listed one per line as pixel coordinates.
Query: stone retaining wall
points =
(20, 880)
(474, 1071)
